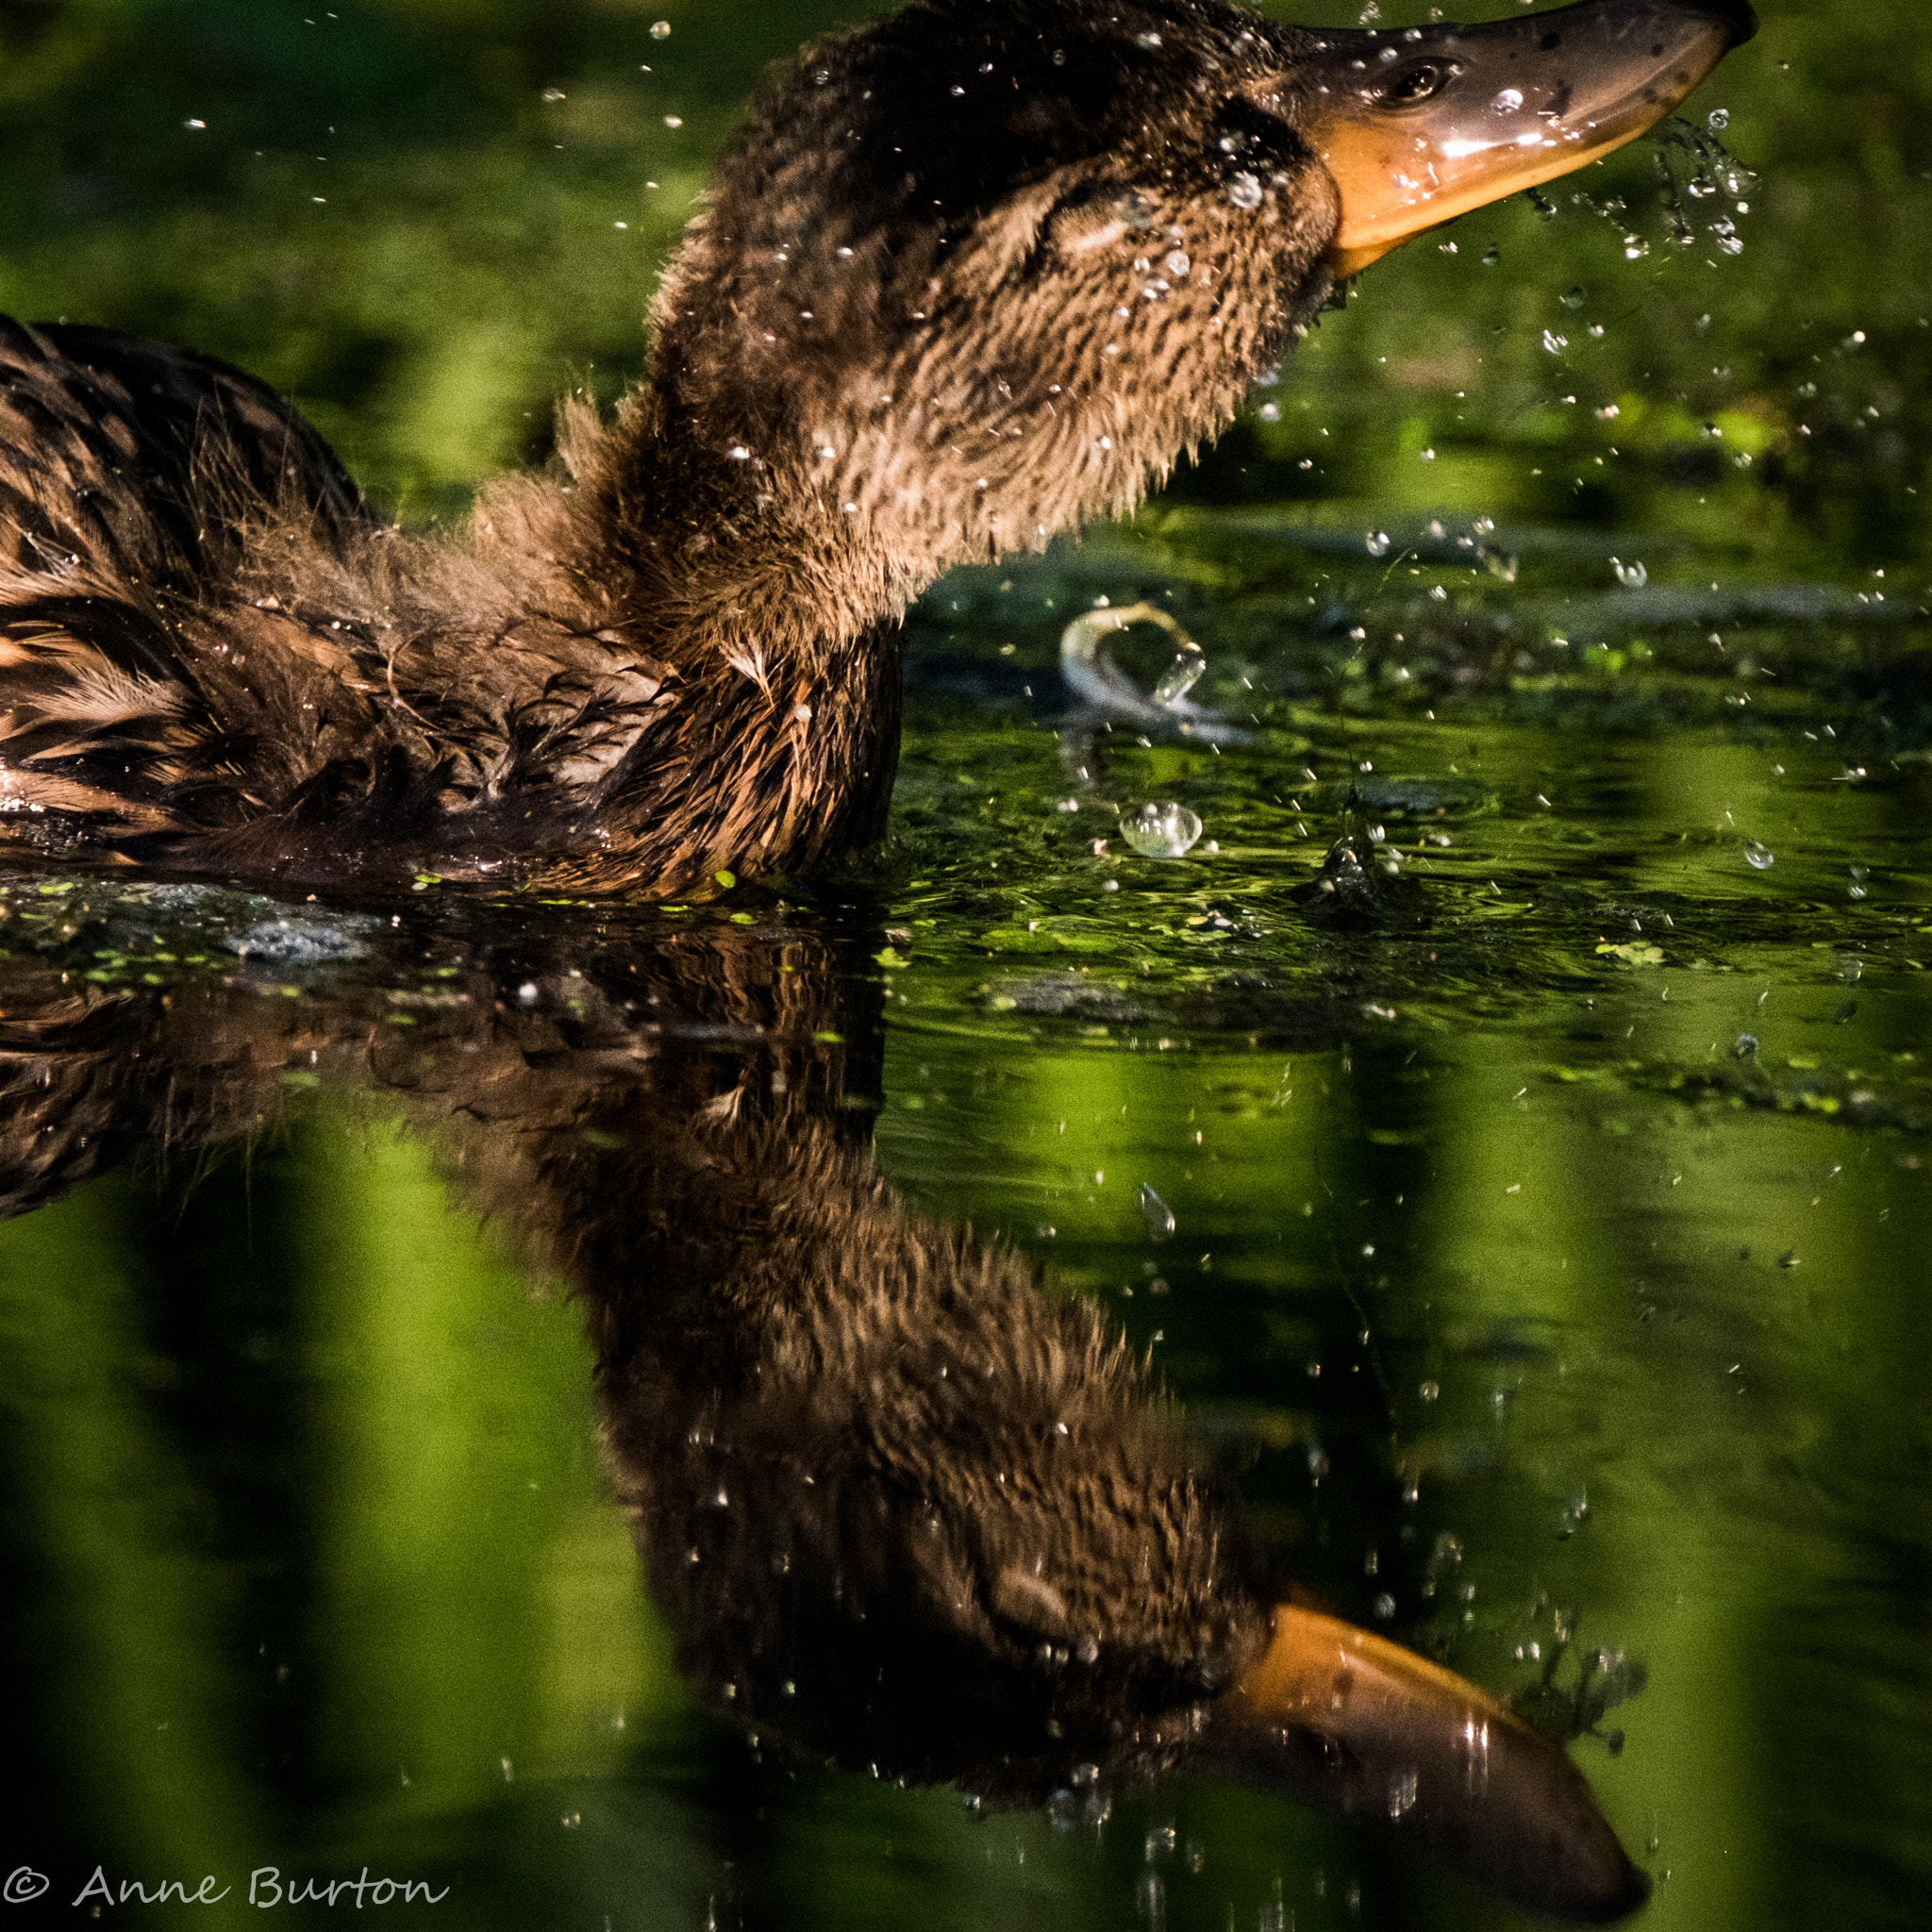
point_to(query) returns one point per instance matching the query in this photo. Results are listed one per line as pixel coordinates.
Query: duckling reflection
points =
(898, 1504)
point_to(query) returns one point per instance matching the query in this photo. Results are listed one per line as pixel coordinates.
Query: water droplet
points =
(1177, 264)
(1270, 412)
(1758, 856)
(1376, 543)
(1718, 120)
(1244, 191)
(1555, 343)
(1507, 101)
(1384, 1606)
(1181, 678)
(1491, 257)
(1160, 831)
(661, 30)
(1430, 1390)
(1633, 576)
(1154, 1212)
(1148, 41)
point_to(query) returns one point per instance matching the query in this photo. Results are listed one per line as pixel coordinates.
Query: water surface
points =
(1546, 1265)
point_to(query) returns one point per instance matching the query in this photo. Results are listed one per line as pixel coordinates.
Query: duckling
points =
(894, 1504)
(969, 276)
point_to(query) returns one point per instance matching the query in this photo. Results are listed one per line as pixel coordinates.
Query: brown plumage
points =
(968, 277)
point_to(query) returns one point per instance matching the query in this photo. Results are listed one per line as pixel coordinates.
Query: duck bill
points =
(1349, 1723)
(1418, 125)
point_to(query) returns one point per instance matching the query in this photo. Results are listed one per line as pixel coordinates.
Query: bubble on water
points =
(1856, 887)
(661, 30)
(1555, 343)
(1635, 249)
(1270, 412)
(1244, 191)
(1430, 1390)
(1147, 42)
(1500, 564)
(1160, 831)
(1718, 120)
(1508, 100)
(1575, 298)
(1633, 576)
(1760, 857)
(1134, 210)
(1491, 257)
(1384, 1606)
(1154, 1212)
(1744, 1047)
(1160, 1843)
(1176, 263)
(1376, 543)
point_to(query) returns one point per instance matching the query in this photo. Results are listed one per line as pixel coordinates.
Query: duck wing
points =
(132, 477)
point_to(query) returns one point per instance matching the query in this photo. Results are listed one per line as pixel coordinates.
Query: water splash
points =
(1093, 676)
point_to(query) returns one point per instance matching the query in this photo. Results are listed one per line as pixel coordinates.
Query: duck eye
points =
(1413, 85)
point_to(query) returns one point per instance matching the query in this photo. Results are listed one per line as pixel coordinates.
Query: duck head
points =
(987, 267)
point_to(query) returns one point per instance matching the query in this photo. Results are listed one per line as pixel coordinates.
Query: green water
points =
(1550, 1252)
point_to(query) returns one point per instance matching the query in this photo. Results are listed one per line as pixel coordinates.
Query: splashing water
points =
(1693, 165)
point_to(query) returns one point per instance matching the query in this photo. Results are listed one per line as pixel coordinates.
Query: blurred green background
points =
(311, 1558)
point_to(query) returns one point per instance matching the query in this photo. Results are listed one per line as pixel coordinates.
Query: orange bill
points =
(1420, 125)
(1348, 1722)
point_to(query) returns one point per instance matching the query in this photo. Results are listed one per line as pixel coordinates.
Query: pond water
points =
(1531, 1225)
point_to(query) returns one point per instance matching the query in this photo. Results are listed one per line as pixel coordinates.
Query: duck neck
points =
(776, 616)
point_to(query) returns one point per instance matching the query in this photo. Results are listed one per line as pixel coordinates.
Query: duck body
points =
(969, 276)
